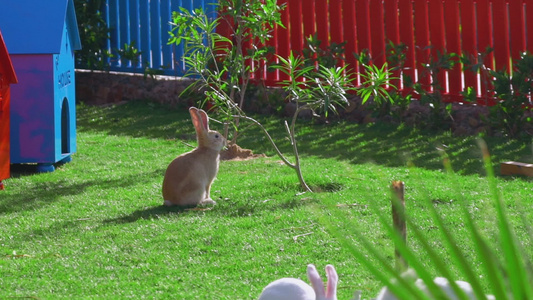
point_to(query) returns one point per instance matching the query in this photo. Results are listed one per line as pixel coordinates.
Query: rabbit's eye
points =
(216, 136)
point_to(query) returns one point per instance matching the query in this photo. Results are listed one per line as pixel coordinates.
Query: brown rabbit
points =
(189, 176)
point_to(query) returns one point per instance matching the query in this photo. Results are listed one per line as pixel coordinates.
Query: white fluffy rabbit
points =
(189, 176)
(442, 283)
(296, 289)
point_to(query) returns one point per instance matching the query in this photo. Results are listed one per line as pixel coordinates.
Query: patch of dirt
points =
(235, 152)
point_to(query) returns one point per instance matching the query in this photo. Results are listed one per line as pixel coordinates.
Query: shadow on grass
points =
(136, 119)
(44, 193)
(383, 144)
(147, 213)
(390, 145)
(223, 208)
(22, 170)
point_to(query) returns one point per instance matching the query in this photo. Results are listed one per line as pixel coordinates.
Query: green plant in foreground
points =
(505, 266)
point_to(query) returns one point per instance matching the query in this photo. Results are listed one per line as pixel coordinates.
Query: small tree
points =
(223, 65)
(224, 70)
(310, 89)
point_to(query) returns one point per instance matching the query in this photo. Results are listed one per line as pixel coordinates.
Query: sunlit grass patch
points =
(96, 227)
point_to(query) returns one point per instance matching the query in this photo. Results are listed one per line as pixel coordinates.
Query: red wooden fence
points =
(426, 27)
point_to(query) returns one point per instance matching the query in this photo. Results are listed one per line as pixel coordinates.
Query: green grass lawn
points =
(95, 228)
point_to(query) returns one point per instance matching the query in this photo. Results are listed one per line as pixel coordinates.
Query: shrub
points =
(513, 91)
(93, 35)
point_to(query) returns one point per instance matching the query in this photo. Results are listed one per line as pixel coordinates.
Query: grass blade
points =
(480, 245)
(402, 288)
(519, 280)
(409, 256)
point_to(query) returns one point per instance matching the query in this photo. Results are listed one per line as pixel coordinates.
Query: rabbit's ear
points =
(316, 281)
(196, 120)
(204, 118)
(333, 278)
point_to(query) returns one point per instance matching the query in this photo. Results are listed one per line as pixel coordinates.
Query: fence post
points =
(398, 221)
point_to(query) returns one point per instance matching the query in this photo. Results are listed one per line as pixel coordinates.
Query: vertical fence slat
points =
(436, 35)
(272, 75)
(283, 40)
(363, 25)
(155, 33)
(166, 51)
(309, 22)
(363, 31)
(529, 25)
(145, 32)
(296, 28)
(484, 20)
(453, 45)
(134, 32)
(177, 64)
(377, 31)
(224, 28)
(348, 19)
(392, 32)
(321, 9)
(335, 26)
(422, 41)
(112, 23)
(469, 40)
(485, 39)
(406, 22)
(309, 18)
(124, 32)
(501, 35)
(517, 28)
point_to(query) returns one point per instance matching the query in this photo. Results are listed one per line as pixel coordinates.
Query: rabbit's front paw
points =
(207, 201)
